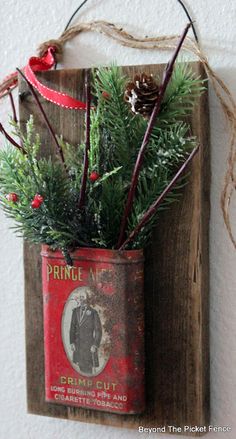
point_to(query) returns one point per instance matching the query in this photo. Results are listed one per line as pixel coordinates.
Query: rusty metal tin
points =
(94, 329)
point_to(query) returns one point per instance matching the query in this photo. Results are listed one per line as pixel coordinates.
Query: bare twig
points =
(12, 106)
(156, 110)
(59, 149)
(153, 208)
(87, 141)
(11, 140)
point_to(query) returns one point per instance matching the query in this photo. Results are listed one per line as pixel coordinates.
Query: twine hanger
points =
(165, 43)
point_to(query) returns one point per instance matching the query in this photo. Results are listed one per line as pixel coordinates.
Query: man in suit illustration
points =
(85, 335)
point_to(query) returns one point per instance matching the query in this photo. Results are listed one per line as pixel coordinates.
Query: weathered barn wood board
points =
(176, 290)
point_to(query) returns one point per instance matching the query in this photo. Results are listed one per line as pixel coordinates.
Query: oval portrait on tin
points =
(85, 340)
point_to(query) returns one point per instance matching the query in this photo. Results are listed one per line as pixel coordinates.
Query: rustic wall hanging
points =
(176, 293)
(94, 207)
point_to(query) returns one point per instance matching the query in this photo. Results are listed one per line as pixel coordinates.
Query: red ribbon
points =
(46, 62)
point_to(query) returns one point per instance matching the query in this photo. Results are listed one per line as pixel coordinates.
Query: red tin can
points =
(94, 329)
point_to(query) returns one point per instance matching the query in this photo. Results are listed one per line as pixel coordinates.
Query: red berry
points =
(12, 197)
(94, 176)
(39, 198)
(35, 204)
(105, 95)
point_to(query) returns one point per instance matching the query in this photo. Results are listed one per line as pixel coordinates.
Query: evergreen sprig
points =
(168, 147)
(26, 175)
(181, 94)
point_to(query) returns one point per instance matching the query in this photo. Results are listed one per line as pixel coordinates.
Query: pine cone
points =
(142, 94)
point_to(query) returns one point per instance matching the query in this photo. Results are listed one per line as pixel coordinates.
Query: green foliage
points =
(116, 135)
(55, 222)
(115, 129)
(165, 155)
(181, 94)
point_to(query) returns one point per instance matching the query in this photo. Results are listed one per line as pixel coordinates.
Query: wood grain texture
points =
(176, 283)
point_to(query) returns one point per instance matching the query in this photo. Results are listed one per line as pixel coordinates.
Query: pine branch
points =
(153, 208)
(166, 78)
(164, 155)
(116, 125)
(181, 94)
(57, 222)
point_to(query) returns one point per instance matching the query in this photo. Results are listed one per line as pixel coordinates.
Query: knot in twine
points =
(59, 43)
(58, 49)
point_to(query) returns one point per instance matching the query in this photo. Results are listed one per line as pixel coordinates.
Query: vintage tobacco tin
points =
(94, 329)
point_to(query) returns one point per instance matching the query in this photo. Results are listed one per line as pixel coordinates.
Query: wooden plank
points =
(176, 284)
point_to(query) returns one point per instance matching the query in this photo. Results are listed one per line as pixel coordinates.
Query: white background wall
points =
(25, 24)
